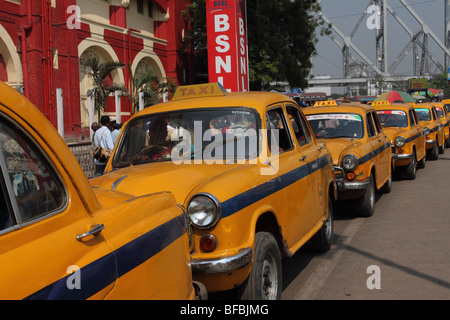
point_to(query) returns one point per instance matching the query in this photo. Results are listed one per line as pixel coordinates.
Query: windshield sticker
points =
(351, 117)
(402, 113)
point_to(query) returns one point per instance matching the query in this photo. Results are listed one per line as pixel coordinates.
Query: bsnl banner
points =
(227, 44)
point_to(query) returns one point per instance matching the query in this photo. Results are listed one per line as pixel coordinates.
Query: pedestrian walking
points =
(102, 138)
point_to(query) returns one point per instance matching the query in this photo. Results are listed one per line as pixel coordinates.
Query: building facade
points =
(42, 42)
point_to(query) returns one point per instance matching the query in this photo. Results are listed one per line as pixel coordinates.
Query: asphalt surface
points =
(402, 252)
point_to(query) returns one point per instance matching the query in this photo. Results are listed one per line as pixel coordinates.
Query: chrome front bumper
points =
(348, 185)
(431, 141)
(353, 185)
(404, 156)
(226, 264)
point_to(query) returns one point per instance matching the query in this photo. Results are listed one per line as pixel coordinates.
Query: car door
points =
(417, 134)
(377, 142)
(316, 159)
(296, 187)
(40, 219)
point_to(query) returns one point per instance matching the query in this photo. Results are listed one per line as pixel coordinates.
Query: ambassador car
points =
(444, 118)
(401, 124)
(60, 239)
(434, 129)
(246, 167)
(361, 151)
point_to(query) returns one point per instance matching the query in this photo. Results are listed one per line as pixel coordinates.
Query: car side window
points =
(6, 216)
(412, 120)
(298, 123)
(416, 117)
(278, 134)
(370, 126)
(434, 114)
(377, 122)
(31, 187)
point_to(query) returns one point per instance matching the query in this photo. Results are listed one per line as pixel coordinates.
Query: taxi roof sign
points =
(381, 103)
(327, 103)
(199, 91)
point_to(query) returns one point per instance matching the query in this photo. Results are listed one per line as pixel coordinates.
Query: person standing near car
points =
(102, 138)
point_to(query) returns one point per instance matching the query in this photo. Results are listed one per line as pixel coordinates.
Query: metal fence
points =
(83, 153)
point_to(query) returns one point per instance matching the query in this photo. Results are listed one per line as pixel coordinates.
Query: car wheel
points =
(434, 152)
(367, 201)
(411, 169)
(442, 148)
(447, 143)
(387, 187)
(265, 279)
(323, 239)
(422, 162)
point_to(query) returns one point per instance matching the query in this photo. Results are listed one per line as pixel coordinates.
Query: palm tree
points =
(151, 87)
(103, 86)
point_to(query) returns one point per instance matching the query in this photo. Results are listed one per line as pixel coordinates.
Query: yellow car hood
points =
(342, 146)
(159, 176)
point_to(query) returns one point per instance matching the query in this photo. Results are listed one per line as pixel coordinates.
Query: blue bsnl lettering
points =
(220, 3)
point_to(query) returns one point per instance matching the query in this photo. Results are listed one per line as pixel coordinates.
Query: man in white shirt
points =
(102, 138)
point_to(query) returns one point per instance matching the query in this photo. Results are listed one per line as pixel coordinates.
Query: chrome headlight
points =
(427, 131)
(399, 141)
(349, 162)
(204, 211)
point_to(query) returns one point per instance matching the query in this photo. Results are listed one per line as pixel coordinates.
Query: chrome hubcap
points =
(269, 279)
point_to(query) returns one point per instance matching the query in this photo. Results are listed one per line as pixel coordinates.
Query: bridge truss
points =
(379, 67)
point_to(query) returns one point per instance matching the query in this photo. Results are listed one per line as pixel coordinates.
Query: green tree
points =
(281, 40)
(151, 87)
(102, 85)
(440, 82)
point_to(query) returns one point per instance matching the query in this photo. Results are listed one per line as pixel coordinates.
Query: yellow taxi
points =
(434, 129)
(361, 151)
(246, 167)
(401, 124)
(62, 239)
(444, 118)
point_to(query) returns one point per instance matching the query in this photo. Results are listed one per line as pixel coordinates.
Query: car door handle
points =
(91, 233)
(302, 158)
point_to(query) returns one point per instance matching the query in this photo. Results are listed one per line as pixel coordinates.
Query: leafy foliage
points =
(281, 40)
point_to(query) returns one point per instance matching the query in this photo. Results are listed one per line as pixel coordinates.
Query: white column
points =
(91, 110)
(118, 107)
(60, 111)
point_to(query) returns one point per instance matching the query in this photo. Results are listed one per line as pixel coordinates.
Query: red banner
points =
(227, 44)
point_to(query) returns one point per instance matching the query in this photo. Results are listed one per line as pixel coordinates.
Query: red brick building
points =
(41, 43)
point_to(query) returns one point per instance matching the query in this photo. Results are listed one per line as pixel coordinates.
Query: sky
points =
(344, 14)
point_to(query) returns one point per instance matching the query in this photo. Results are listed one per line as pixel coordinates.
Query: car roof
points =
(258, 100)
(396, 106)
(344, 107)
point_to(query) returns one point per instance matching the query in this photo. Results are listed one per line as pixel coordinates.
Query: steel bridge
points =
(351, 51)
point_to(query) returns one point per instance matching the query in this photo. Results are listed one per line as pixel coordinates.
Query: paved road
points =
(407, 238)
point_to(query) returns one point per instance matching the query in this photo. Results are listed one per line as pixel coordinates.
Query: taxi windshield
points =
(393, 118)
(440, 112)
(226, 134)
(336, 125)
(423, 114)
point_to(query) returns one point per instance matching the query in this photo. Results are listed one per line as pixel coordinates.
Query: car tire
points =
(434, 152)
(422, 162)
(265, 279)
(387, 186)
(367, 201)
(411, 169)
(322, 240)
(442, 148)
